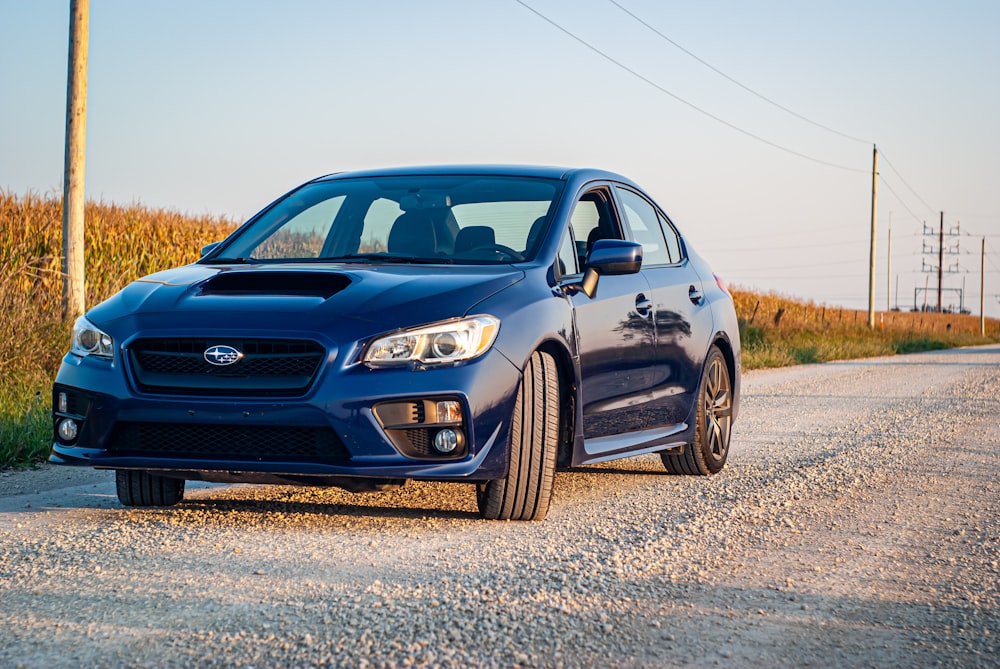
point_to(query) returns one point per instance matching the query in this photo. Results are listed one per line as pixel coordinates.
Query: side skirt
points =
(640, 442)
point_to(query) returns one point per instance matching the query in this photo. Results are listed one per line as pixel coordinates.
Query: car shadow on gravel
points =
(414, 501)
(613, 470)
(639, 465)
(411, 502)
(395, 507)
(413, 513)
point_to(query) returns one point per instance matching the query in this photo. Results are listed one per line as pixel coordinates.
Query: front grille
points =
(272, 367)
(419, 440)
(227, 442)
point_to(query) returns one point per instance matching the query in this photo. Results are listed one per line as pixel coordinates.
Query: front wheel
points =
(707, 455)
(139, 488)
(526, 491)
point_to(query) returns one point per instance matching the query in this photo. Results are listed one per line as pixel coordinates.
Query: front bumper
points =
(332, 431)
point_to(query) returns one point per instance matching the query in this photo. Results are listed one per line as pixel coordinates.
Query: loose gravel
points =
(855, 525)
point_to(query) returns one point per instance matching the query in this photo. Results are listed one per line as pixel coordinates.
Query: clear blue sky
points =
(218, 107)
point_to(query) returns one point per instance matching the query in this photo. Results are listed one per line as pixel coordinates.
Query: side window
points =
(568, 257)
(673, 241)
(584, 220)
(645, 224)
(593, 218)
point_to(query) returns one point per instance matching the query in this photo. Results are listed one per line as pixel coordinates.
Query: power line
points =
(989, 256)
(709, 249)
(698, 109)
(966, 233)
(781, 107)
(845, 277)
(734, 81)
(789, 233)
(893, 168)
(793, 267)
(899, 199)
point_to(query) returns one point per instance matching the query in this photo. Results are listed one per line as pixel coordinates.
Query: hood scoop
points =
(304, 284)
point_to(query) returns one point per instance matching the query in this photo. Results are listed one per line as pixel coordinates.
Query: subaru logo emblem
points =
(222, 355)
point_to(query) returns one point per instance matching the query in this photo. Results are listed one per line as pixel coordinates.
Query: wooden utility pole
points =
(982, 291)
(940, 261)
(74, 282)
(888, 268)
(871, 256)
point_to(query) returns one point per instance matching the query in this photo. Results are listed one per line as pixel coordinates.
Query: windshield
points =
(421, 219)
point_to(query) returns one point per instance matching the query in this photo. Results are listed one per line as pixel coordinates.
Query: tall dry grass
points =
(778, 330)
(122, 244)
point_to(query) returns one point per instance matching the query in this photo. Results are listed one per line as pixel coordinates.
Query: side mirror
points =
(611, 257)
(208, 248)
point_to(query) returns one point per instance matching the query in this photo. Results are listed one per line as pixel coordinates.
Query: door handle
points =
(643, 305)
(694, 295)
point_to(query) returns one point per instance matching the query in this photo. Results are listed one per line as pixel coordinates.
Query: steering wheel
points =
(500, 248)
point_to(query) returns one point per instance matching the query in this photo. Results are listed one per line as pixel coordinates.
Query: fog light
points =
(62, 403)
(449, 411)
(68, 429)
(446, 440)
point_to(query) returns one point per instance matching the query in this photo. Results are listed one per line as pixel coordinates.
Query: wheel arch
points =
(725, 346)
(568, 385)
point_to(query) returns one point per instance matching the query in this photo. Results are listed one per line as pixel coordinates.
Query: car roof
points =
(569, 174)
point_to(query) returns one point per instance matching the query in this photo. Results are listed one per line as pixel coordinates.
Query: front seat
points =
(412, 234)
(474, 237)
(534, 233)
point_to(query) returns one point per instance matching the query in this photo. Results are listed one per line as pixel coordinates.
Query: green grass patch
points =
(25, 418)
(773, 347)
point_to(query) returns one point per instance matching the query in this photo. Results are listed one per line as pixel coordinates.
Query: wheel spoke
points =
(721, 400)
(718, 408)
(714, 378)
(715, 437)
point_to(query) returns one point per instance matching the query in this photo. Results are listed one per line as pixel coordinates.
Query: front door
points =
(615, 334)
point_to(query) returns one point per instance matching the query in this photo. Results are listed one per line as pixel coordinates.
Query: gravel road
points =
(856, 525)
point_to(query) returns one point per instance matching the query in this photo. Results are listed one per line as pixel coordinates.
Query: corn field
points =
(122, 244)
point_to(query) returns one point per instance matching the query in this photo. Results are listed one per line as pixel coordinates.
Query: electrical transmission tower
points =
(946, 244)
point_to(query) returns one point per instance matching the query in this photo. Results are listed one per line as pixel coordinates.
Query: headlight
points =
(89, 340)
(449, 341)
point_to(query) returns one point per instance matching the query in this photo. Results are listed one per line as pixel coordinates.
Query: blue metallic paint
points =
(635, 376)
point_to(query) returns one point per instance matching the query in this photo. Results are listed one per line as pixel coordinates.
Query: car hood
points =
(367, 298)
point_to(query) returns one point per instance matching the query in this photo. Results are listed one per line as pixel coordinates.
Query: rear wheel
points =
(526, 491)
(707, 455)
(139, 488)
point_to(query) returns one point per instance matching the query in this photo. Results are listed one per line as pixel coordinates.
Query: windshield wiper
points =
(230, 261)
(381, 257)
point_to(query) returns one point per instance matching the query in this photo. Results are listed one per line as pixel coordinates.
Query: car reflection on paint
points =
(479, 324)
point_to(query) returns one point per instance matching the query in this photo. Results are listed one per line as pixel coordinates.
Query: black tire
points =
(139, 488)
(707, 455)
(526, 492)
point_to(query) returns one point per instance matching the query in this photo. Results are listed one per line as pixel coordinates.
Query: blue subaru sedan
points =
(476, 324)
